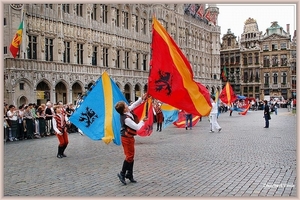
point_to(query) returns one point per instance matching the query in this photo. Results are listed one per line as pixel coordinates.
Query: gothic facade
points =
(66, 47)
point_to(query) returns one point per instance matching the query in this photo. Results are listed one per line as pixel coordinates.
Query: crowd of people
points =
(33, 121)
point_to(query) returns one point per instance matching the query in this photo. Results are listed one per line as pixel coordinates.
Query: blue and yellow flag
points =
(96, 115)
(170, 114)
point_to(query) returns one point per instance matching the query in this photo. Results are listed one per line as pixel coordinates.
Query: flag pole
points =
(23, 34)
(150, 64)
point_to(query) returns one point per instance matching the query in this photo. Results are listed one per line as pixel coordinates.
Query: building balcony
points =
(67, 69)
(275, 86)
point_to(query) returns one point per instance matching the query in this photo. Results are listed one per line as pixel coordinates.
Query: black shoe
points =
(186, 128)
(59, 156)
(130, 178)
(122, 179)
(64, 155)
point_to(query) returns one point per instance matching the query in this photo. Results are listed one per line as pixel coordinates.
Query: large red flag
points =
(171, 76)
(143, 110)
(16, 42)
(227, 95)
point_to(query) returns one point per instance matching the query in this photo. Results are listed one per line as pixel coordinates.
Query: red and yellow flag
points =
(227, 95)
(145, 110)
(16, 42)
(171, 76)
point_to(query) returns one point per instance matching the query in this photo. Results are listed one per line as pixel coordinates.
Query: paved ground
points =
(243, 160)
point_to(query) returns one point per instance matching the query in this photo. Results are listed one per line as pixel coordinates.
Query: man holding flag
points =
(129, 127)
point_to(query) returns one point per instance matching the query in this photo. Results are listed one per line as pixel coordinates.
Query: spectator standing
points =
(36, 127)
(188, 120)
(6, 125)
(266, 114)
(214, 112)
(20, 122)
(276, 106)
(159, 115)
(288, 105)
(12, 115)
(294, 103)
(29, 122)
(49, 115)
(41, 116)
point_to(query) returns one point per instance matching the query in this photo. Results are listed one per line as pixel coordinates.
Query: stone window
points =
(67, 52)
(66, 8)
(105, 57)
(126, 59)
(79, 10)
(104, 13)
(95, 55)
(32, 47)
(79, 53)
(48, 49)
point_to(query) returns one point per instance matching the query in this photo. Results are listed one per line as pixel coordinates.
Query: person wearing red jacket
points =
(129, 127)
(59, 126)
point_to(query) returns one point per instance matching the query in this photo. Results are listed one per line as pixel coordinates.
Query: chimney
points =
(288, 28)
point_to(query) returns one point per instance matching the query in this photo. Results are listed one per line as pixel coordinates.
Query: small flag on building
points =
(16, 42)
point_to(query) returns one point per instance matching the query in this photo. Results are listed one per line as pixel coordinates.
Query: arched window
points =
(267, 77)
(283, 78)
(229, 42)
(275, 77)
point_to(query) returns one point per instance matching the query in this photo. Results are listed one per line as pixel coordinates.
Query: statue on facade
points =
(61, 47)
(90, 50)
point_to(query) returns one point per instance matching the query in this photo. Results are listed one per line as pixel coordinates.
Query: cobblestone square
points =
(243, 160)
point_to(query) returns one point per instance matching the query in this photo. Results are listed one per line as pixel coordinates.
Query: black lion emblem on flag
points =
(164, 82)
(89, 116)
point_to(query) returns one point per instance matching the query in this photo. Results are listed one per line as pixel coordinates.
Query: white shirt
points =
(214, 109)
(128, 121)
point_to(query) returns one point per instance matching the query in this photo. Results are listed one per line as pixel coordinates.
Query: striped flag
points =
(16, 42)
(227, 95)
(171, 77)
(143, 110)
(96, 116)
(224, 74)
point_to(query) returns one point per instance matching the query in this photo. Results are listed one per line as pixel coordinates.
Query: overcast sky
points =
(233, 16)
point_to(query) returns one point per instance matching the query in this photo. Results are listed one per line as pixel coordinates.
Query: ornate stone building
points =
(268, 61)
(250, 59)
(230, 61)
(66, 47)
(276, 65)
